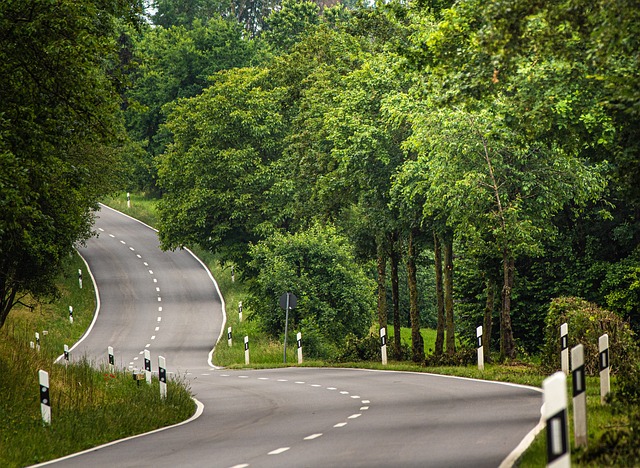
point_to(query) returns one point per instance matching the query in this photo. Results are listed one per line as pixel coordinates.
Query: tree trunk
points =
(382, 285)
(437, 254)
(507, 347)
(488, 319)
(448, 295)
(416, 337)
(395, 295)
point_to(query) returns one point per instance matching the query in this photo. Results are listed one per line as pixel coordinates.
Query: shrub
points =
(586, 322)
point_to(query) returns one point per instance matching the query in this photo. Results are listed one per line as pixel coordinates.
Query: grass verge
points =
(89, 406)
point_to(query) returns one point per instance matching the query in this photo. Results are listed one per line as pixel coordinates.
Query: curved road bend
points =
(289, 417)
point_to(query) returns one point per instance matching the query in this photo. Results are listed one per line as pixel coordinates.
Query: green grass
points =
(265, 353)
(89, 406)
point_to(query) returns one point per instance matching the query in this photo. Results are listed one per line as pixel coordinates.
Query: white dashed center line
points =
(313, 436)
(342, 424)
(279, 451)
(354, 416)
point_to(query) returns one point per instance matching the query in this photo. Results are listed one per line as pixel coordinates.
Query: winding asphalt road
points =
(168, 303)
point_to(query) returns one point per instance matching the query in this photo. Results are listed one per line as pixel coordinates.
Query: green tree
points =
(60, 128)
(216, 175)
(175, 63)
(317, 265)
(285, 26)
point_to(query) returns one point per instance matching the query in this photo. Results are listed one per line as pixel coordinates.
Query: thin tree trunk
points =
(488, 319)
(416, 338)
(382, 285)
(448, 295)
(437, 254)
(395, 295)
(508, 347)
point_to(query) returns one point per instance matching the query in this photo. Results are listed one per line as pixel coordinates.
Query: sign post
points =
(147, 365)
(555, 415)
(299, 339)
(579, 396)
(45, 401)
(162, 376)
(564, 347)
(383, 345)
(287, 301)
(480, 348)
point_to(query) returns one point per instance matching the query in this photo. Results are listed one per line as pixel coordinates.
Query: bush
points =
(586, 322)
(334, 293)
(360, 349)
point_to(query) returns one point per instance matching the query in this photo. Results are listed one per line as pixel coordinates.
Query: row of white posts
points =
(555, 398)
(246, 345)
(43, 378)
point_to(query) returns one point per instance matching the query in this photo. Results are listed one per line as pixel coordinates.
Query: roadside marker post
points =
(480, 348)
(299, 340)
(128, 200)
(605, 383)
(37, 341)
(147, 365)
(383, 345)
(246, 350)
(554, 412)
(66, 354)
(162, 376)
(112, 361)
(229, 337)
(579, 396)
(45, 401)
(71, 314)
(240, 311)
(80, 277)
(564, 348)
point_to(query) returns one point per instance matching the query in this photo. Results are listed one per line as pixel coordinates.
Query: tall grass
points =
(89, 406)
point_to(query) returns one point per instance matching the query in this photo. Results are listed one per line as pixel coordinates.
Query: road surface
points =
(167, 302)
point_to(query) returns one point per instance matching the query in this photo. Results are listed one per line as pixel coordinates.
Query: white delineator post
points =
(480, 348)
(554, 412)
(605, 383)
(80, 277)
(383, 345)
(246, 350)
(162, 376)
(240, 311)
(71, 314)
(66, 353)
(564, 348)
(112, 361)
(147, 365)
(45, 401)
(299, 340)
(579, 396)
(128, 200)
(229, 337)
(37, 341)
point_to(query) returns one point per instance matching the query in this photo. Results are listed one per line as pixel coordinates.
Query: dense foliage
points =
(61, 132)
(479, 155)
